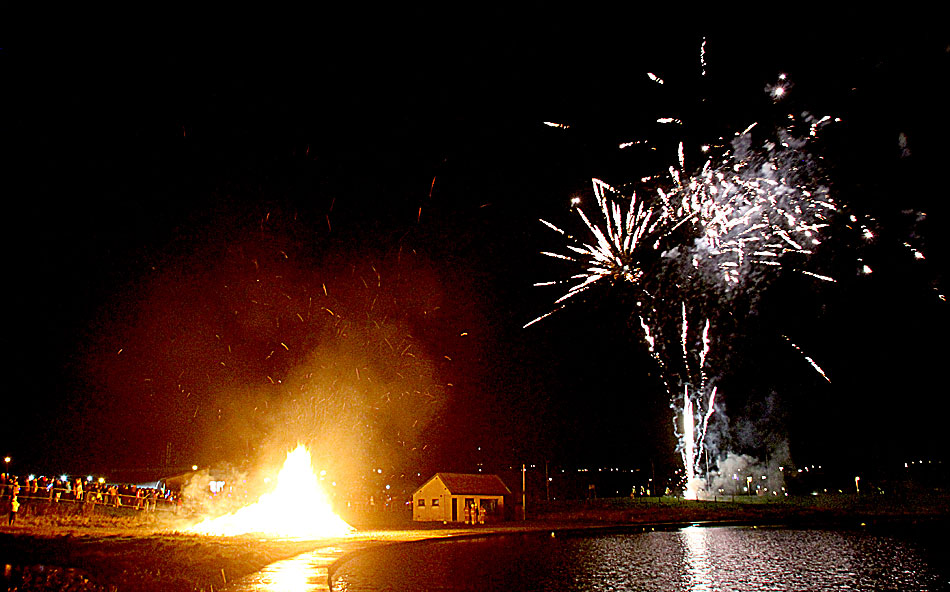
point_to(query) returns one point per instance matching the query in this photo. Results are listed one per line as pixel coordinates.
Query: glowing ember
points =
(298, 507)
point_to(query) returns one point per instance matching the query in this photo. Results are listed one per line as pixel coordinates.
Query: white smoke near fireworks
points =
(741, 474)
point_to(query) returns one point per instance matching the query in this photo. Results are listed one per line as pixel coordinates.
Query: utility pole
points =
(524, 499)
(547, 483)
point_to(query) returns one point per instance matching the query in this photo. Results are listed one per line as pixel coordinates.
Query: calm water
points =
(698, 559)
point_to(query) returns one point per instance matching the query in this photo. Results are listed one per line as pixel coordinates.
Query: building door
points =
(455, 509)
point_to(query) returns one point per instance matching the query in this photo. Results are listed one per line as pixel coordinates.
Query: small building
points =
(460, 497)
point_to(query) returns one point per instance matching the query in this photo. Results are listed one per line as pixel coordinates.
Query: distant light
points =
(194, 467)
(387, 486)
(102, 479)
(64, 478)
(89, 479)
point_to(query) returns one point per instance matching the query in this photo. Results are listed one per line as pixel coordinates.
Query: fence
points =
(94, 501)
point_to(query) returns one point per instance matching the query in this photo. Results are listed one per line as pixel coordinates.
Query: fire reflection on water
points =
(303, 573)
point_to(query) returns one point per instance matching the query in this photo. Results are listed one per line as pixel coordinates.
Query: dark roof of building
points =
(465, 483)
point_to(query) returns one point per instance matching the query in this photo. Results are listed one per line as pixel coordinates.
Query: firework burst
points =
(752, 205)
(619, 239)
(746, 210)
(715, 231)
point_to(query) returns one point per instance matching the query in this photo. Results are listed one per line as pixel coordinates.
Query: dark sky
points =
(216, 248)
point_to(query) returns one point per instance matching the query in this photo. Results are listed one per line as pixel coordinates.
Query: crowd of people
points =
(75, 490)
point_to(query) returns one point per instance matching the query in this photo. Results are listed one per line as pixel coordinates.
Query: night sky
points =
(217, 249)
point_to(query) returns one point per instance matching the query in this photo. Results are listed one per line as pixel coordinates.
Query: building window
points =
(422, 503)
(435, 502)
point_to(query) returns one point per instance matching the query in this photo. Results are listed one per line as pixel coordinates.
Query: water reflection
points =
(697, 559)
(303, 573)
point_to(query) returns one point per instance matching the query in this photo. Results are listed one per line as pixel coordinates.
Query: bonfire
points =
(298, 508)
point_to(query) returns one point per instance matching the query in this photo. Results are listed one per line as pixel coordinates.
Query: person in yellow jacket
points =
(14, 508)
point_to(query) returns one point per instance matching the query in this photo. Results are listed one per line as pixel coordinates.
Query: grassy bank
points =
(822, 510)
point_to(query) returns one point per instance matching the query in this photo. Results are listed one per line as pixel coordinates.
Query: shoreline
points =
(156, 556)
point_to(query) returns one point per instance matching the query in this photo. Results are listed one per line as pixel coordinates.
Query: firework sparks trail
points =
(692, 379)
(702, 57)
(808, 358)
(689, 451)
(710, 409)
(693, 443)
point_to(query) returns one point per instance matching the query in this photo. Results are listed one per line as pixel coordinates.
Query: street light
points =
(6, 461)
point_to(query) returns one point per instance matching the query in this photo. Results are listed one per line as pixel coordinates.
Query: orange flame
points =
(298, 507)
